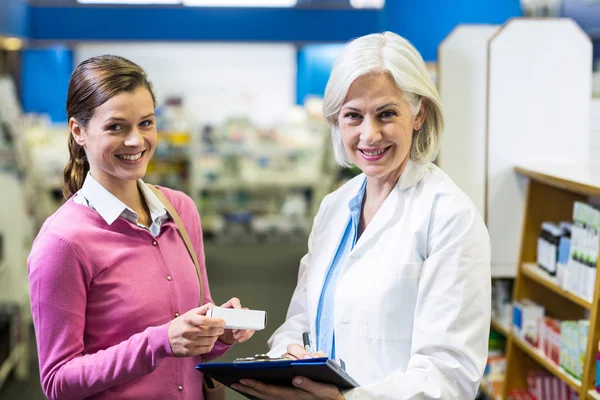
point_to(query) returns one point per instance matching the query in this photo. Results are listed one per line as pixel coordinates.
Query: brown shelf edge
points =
(561, 183)
(500, 328)
(548, 364)
(592, 395)
(541, 278)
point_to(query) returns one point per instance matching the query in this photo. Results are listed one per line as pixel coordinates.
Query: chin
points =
(131, 175)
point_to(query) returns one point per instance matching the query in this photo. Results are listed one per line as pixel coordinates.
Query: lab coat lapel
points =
(329, 242)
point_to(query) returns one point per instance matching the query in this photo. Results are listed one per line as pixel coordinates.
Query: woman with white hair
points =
(396, 282)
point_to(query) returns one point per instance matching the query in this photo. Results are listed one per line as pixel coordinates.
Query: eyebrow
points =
(384, 106)
(376, 110)
(117, 119)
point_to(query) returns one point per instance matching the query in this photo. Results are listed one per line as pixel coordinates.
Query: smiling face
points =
(376, 124)
(120, 138)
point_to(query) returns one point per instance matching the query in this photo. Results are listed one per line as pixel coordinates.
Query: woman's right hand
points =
(297, 352)
(193, 333)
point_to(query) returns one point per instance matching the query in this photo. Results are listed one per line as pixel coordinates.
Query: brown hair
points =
(94, 82)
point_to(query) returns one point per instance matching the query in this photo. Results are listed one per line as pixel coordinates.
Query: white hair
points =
(391, 53)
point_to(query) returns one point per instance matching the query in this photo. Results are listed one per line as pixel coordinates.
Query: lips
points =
(130, 157)
(374, 152)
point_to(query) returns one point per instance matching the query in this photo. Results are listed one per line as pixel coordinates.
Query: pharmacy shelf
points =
(532, 271)
(500, 327)
(548, 364)
(488, 392)
(593, 395)
(10, 363)
(579, 178)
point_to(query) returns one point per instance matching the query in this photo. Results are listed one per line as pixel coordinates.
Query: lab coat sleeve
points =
(452, 314)
(296, 320)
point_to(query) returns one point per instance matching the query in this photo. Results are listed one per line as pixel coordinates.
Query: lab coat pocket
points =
(389, 312)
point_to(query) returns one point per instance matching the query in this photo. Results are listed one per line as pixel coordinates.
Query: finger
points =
(266, 389)
(244, 336)
(288, 356)
(191, 332)
(206, 331)
(234, 302)
(318, 354)
(319, 390)
(248, 390)
(204, 308)
(200, 321)
(297, 351)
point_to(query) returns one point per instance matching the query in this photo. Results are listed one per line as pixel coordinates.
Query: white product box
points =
(240, 319)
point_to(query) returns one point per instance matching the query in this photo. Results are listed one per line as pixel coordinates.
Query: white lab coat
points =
(413, 299)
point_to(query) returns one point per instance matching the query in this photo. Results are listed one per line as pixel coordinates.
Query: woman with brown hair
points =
(114, 291)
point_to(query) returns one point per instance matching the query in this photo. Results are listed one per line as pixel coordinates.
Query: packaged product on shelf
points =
(598, 369)
(502, 301)
(520, 394)
(584, 250)
(569, 347)
(543, 386)
(550, 338)
(564, 249)
(547, 247)
(526, 317)
(583, 327)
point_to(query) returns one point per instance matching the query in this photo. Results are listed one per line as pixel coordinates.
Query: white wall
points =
(215, 80)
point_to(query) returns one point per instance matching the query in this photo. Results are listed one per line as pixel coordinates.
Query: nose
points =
(371, 132)
(134, 138)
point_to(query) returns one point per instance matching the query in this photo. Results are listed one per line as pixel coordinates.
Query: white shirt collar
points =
(110, 207)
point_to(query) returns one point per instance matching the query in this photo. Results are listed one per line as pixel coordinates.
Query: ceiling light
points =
(240, 3)
(11, 43)
(140, 2)
(367, 3)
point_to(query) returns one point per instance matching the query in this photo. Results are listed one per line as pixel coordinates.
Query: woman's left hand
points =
(304, 389)
(237, 335)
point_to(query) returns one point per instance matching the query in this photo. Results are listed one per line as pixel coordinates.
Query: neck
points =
(379, 187)
(125, 190)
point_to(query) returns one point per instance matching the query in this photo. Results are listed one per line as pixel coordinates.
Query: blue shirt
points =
(92, 194)
(324, 324)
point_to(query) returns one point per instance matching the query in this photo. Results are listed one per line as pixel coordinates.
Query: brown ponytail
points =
(76, 169)
(93, 83)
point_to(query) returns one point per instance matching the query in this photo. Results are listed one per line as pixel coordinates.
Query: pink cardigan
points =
(102, 297)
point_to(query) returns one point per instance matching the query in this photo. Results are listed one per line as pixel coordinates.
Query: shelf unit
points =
(550, 192)
(488, 392)
(500, 328)
(593, 395)
(533, 272)
(489, 129)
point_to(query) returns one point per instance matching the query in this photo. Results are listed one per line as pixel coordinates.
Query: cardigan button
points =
(180, 388)
(176, 314)
(154, 243)
(169, 278)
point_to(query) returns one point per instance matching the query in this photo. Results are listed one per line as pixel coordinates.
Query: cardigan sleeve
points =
(59, 282)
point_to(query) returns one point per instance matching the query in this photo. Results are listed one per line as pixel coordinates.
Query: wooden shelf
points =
(583, 178)
(532, 271)
(500, 328)
(548, 364)
(593, 395)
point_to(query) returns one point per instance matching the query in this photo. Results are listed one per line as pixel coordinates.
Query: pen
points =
(306, 341)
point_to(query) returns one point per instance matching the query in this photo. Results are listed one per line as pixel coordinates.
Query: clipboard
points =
(278, 372)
